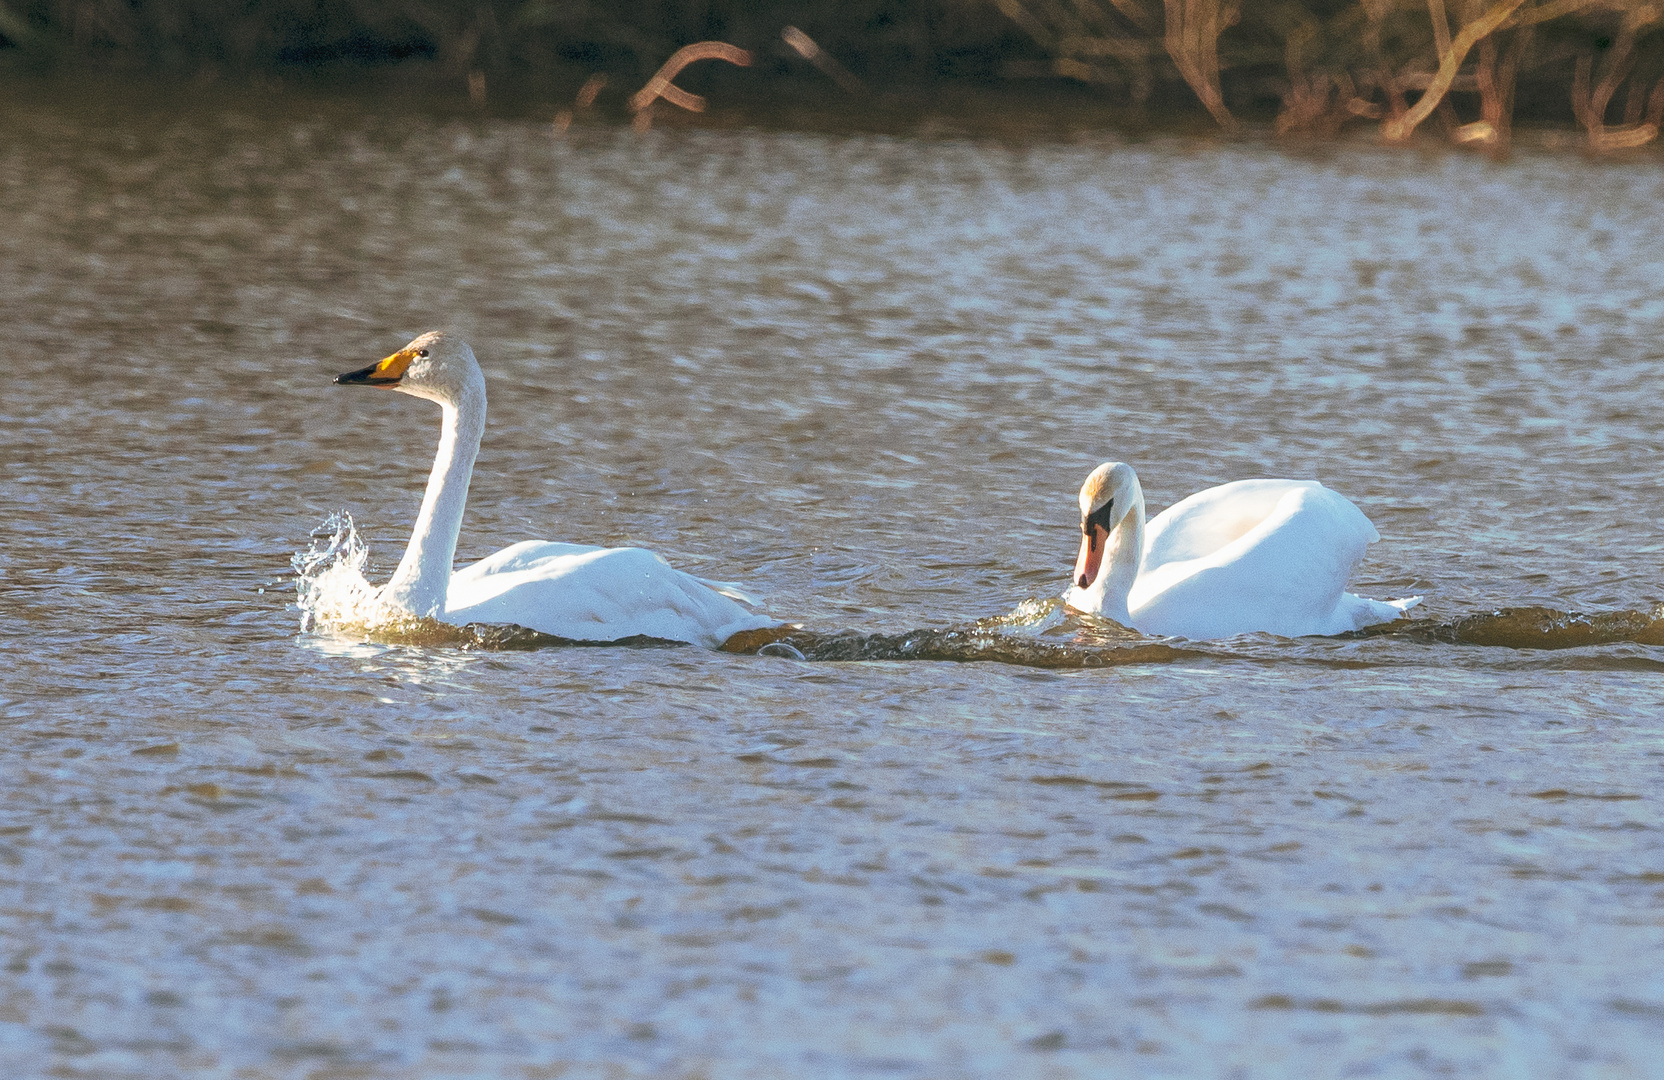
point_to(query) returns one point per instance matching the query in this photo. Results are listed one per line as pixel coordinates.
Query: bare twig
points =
(1193, 29)
(1591, 104)
(1080, 35)
(1441, 44)
(1399, 128)
(1312, 105)
(1441, 26)
(805, 47)
(1495, 82)
(1135, 11)
(1554, 9)
(585, 99)
(660, 86)
(1618, 63)
(1624, 137)
(1031, 25)
(591, 88)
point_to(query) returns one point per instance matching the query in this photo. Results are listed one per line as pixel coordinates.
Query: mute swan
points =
(569, 590)
(1256, 555)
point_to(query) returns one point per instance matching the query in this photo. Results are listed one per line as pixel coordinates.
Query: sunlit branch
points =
(659, 86)
(1399, 128)
(805, 46)
(1193, 29)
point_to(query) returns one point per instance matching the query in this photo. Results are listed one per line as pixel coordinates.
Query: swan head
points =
(1107, 497)
(437, 365)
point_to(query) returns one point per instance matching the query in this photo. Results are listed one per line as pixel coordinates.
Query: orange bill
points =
(1091, 556)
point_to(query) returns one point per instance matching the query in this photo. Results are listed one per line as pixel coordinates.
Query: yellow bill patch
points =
(386, 372)
(394, 366)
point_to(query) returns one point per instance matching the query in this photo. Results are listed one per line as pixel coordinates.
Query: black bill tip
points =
(365, 376)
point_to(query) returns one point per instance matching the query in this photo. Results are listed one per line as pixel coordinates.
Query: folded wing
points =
(1257, 555)
(588, 593)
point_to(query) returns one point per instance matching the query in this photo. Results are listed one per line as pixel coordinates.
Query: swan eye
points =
(423, 353)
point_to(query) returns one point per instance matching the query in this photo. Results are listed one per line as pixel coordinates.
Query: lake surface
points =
(863, 376)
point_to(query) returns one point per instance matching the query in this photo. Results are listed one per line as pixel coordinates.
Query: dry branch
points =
(1193, 29)
(1590, 104)
(660, 86)
(1399, 128)
(805, 46)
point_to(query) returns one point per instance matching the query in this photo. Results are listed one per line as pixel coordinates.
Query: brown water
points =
(863, 376)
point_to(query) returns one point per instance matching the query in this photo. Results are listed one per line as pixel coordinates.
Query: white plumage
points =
(1271, 556)
(569, 590)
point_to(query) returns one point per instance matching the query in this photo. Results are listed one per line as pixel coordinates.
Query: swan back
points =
(586, 593)
(1209, 520)
(1254, 556)
(1257, 555)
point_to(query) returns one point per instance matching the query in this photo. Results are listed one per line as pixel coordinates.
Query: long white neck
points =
(420, 583)
(1123, 558)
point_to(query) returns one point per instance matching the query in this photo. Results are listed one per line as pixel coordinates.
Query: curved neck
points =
(420, 583)
(1107, 596)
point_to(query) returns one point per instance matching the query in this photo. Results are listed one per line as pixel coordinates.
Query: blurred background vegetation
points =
(1309, 68)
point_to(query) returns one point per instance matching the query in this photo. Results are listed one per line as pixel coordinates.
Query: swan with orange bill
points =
(1266, 556)
(572, 591)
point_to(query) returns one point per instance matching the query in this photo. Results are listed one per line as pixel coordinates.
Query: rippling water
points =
(863, 376)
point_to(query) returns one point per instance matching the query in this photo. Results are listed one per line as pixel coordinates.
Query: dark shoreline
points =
(1025, 114)
(1310, 70)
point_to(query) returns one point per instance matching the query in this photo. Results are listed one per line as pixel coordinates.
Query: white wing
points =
(594, 594)
(1256, 555)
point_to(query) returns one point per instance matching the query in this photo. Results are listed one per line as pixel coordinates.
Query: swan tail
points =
(730, 590)
(1357, 612)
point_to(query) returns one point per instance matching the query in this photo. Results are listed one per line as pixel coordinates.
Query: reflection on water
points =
(863, 377)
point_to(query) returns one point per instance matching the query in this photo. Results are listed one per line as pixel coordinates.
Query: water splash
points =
(335, 597)
(330, 586)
